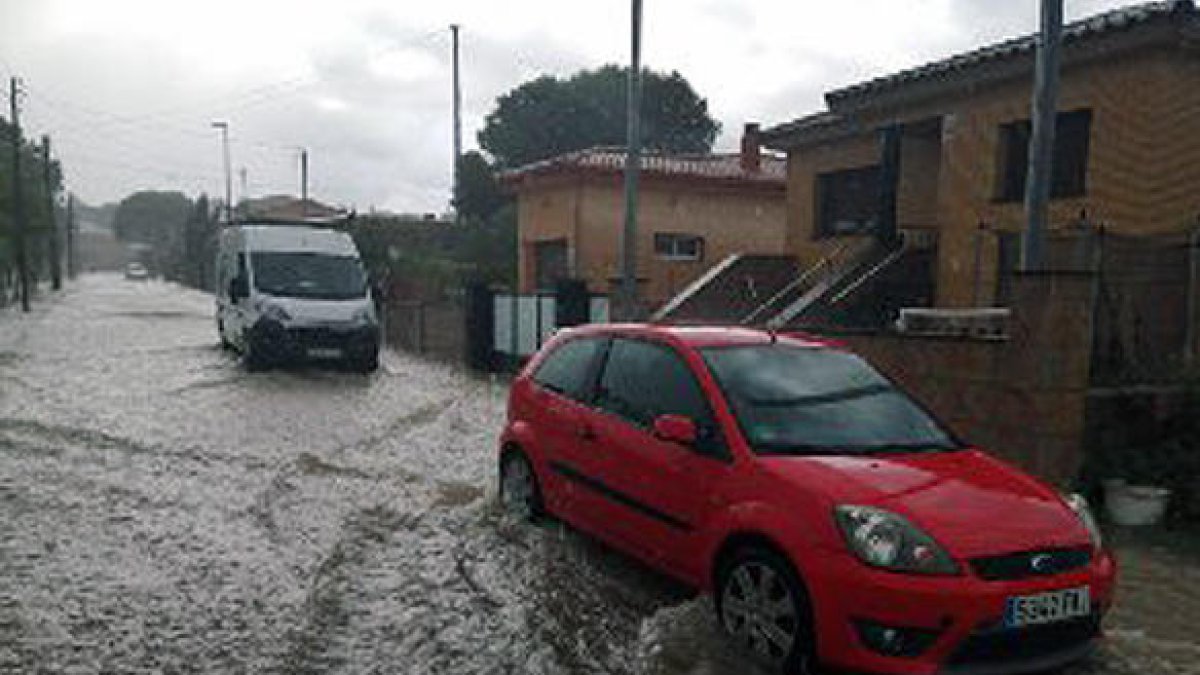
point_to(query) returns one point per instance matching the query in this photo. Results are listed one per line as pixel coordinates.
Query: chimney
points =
(751, 158)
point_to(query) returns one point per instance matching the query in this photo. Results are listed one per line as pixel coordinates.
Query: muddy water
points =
(162, 510)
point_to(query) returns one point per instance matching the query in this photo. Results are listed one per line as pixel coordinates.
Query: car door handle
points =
(586, 432)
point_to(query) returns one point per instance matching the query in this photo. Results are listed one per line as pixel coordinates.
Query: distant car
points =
(832, 518)
(136, 271)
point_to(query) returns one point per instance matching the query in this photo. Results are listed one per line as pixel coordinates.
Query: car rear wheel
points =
(762, 606)
(519, 491)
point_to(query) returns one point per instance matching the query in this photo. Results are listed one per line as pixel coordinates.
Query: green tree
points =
(479, 193)
(150, 217)
(40, 216)
(549, 116)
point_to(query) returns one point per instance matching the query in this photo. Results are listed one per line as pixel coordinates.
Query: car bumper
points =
(963, 617)
(297, 343)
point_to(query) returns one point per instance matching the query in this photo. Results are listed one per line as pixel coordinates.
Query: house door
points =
(550, 258)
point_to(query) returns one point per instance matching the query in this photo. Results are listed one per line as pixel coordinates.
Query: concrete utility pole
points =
(304, 181)
(224, 128)
(1040, 175)
(628, 294)
(18, 204)
(457, 124)
(54, 247)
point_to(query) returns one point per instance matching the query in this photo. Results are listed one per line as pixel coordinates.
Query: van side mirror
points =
(675, 428)
(239, 288)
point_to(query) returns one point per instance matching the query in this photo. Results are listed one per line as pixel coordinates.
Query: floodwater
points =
(163, 510)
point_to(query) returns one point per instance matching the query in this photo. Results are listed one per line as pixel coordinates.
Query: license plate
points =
(324, 353)
(1032, 610)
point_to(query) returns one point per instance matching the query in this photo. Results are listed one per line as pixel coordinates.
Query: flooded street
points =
(163, 510)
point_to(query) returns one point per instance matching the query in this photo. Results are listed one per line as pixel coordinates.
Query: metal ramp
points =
(729, 290)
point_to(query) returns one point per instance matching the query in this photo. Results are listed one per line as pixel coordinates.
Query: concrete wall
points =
(1143, 173)
(1024, 398)
(589, 214)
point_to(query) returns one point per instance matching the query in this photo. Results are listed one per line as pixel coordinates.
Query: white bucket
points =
(1135, 505)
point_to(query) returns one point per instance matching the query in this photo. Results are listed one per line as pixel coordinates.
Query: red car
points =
(833, 519)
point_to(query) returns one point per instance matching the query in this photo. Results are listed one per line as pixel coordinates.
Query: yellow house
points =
(1126, 156)
(693, 211)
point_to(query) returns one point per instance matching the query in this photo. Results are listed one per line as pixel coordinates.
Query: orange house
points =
(1126, 156)
(693, 210)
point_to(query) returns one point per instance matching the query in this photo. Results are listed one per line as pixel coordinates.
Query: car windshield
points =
(800, 400)
(308, 275)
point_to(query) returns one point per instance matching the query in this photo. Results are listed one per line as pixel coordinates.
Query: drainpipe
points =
(889, 177)
(1189, 346)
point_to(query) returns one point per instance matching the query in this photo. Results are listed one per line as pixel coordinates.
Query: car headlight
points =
(364, 317)
(884, 539)
(1080, 506)
(276, 313)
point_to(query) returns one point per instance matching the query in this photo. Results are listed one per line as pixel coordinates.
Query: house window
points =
(670, 246)
(1069, 179)
(847, 201)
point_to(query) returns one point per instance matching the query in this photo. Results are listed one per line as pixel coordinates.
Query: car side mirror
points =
(239, 288)
(675, 428)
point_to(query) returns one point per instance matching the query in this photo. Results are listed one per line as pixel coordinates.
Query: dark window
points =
(803, 400)
(568, 368)
(1069, 178)
(670, 246)
(847, 201)
(643, 380)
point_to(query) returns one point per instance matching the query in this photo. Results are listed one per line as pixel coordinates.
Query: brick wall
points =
(1024, 398)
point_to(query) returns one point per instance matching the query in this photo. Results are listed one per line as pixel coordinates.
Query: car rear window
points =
(566, 369)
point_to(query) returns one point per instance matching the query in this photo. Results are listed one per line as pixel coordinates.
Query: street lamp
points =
(224, 127)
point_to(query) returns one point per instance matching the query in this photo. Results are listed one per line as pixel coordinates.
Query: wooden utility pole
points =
(1041, 143)
(54, 249)
(18, 203)
(457, 126)
(628, 293)
(72, 265)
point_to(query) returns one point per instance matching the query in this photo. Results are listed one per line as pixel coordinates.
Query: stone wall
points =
(1022, 398)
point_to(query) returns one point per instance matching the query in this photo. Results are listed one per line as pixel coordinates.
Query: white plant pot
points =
(1135, 505)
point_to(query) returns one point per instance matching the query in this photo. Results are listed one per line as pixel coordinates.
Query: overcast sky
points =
(128, 89)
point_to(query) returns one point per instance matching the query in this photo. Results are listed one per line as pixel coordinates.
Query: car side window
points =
(568, 369)
(642, 380)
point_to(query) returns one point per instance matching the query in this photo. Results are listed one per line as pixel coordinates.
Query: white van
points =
(294, 292)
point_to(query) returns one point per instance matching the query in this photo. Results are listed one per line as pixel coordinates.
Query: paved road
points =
(162, 510)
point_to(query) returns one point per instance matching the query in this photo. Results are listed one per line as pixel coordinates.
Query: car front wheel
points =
(519, 492)
(762, 606)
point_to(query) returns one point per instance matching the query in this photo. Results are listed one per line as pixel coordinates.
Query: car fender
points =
(798, 542)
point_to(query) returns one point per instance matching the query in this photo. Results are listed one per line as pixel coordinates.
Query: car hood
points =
(970, 502)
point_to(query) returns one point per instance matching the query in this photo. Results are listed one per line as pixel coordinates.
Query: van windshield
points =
(308, 275)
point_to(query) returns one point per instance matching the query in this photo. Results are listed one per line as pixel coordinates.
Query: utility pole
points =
(70, 226)
(304, 182)
(457, 124)
(1041, 143)
(224, 128)
(54, 248)
(628, 293)
(18, 205)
